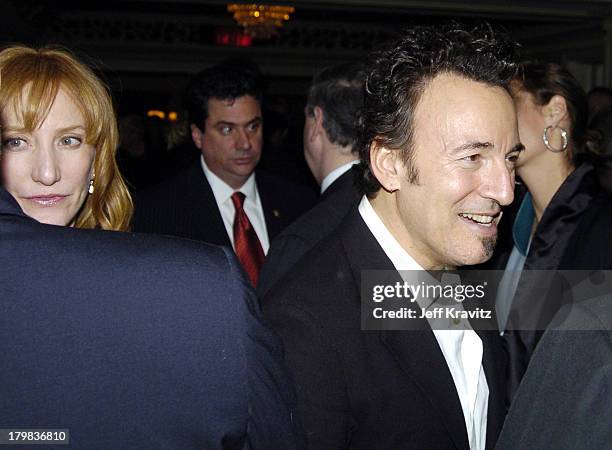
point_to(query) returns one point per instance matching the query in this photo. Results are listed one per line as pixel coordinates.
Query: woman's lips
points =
(46, 200)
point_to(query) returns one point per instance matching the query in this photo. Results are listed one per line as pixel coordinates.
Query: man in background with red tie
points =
(221, 199)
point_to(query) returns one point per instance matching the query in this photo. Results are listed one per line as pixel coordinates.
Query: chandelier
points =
(260, 21)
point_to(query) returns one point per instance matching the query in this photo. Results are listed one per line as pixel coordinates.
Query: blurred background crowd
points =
(146, 52)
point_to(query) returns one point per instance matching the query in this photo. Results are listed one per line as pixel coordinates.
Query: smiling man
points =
(441, 196)
(220, 199)
(440, 143)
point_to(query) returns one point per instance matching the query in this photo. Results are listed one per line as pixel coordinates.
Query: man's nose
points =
(45, 166)
(243, 140)
(498, 184)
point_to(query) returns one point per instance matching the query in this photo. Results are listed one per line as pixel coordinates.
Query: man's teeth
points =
(485, 220)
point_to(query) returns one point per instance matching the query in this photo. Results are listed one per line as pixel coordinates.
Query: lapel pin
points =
(276, 213)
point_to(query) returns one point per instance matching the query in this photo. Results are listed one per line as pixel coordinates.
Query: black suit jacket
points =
(135, 341)
(184, 206)
(367, 389)
(295, 240)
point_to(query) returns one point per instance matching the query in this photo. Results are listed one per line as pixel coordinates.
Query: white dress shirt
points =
(335, 174)
(252, 205)
(461, 346)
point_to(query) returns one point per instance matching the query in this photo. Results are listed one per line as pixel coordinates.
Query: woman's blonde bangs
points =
(21, 69)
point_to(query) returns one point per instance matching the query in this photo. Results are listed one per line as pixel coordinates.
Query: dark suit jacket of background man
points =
(368, 390)
(299, 237)
(134, 341)
(184, 206)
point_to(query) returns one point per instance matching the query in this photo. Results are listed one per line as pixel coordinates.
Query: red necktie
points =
(248, 248)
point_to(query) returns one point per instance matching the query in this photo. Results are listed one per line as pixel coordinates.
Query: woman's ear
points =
(555, 111)
(384, 163)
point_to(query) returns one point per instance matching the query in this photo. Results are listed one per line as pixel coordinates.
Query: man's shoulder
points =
(323, 217)
(138, 251)
(167, 249)
(154, 310)
(315, 223)
(129, 269)
(305, 232)
(274, 185)
(321, 274)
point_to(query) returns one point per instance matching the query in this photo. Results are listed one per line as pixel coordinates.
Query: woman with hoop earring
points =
(563, 219)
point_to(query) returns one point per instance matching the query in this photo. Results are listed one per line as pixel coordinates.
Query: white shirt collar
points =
(400, 258)
(253, 207)
(335, 174)
(223, 190)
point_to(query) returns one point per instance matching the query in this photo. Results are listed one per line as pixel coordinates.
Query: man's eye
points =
(13, 144)
(472, 158)
(70, 141)
(226, 130)
(253, 127)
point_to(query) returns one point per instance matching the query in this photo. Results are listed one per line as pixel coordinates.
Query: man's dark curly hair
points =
(338, 91)
(400, 72)
(228, 80)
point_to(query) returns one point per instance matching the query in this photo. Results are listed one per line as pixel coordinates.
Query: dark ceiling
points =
(153, 46)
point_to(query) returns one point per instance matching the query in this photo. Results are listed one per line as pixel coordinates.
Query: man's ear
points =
(385, 166)
(196, 135)
(555, 111)
(317, 125)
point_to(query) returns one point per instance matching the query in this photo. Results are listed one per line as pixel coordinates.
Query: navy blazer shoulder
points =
(135, 341)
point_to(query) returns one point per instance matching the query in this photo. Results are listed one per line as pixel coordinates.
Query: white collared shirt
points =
(335, 174)
(252, 205)
(462, 348)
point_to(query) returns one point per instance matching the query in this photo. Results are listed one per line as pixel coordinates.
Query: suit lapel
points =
(416, 352)
(208, 223)
(420, 357)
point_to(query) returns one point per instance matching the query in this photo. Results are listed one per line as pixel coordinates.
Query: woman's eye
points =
(513, 157)
(13, 144)
(70, 141)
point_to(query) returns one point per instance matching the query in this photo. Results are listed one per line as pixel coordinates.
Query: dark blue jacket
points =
(135, 341)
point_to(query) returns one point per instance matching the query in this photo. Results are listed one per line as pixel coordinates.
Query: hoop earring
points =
(91, 184)
(563, 136)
